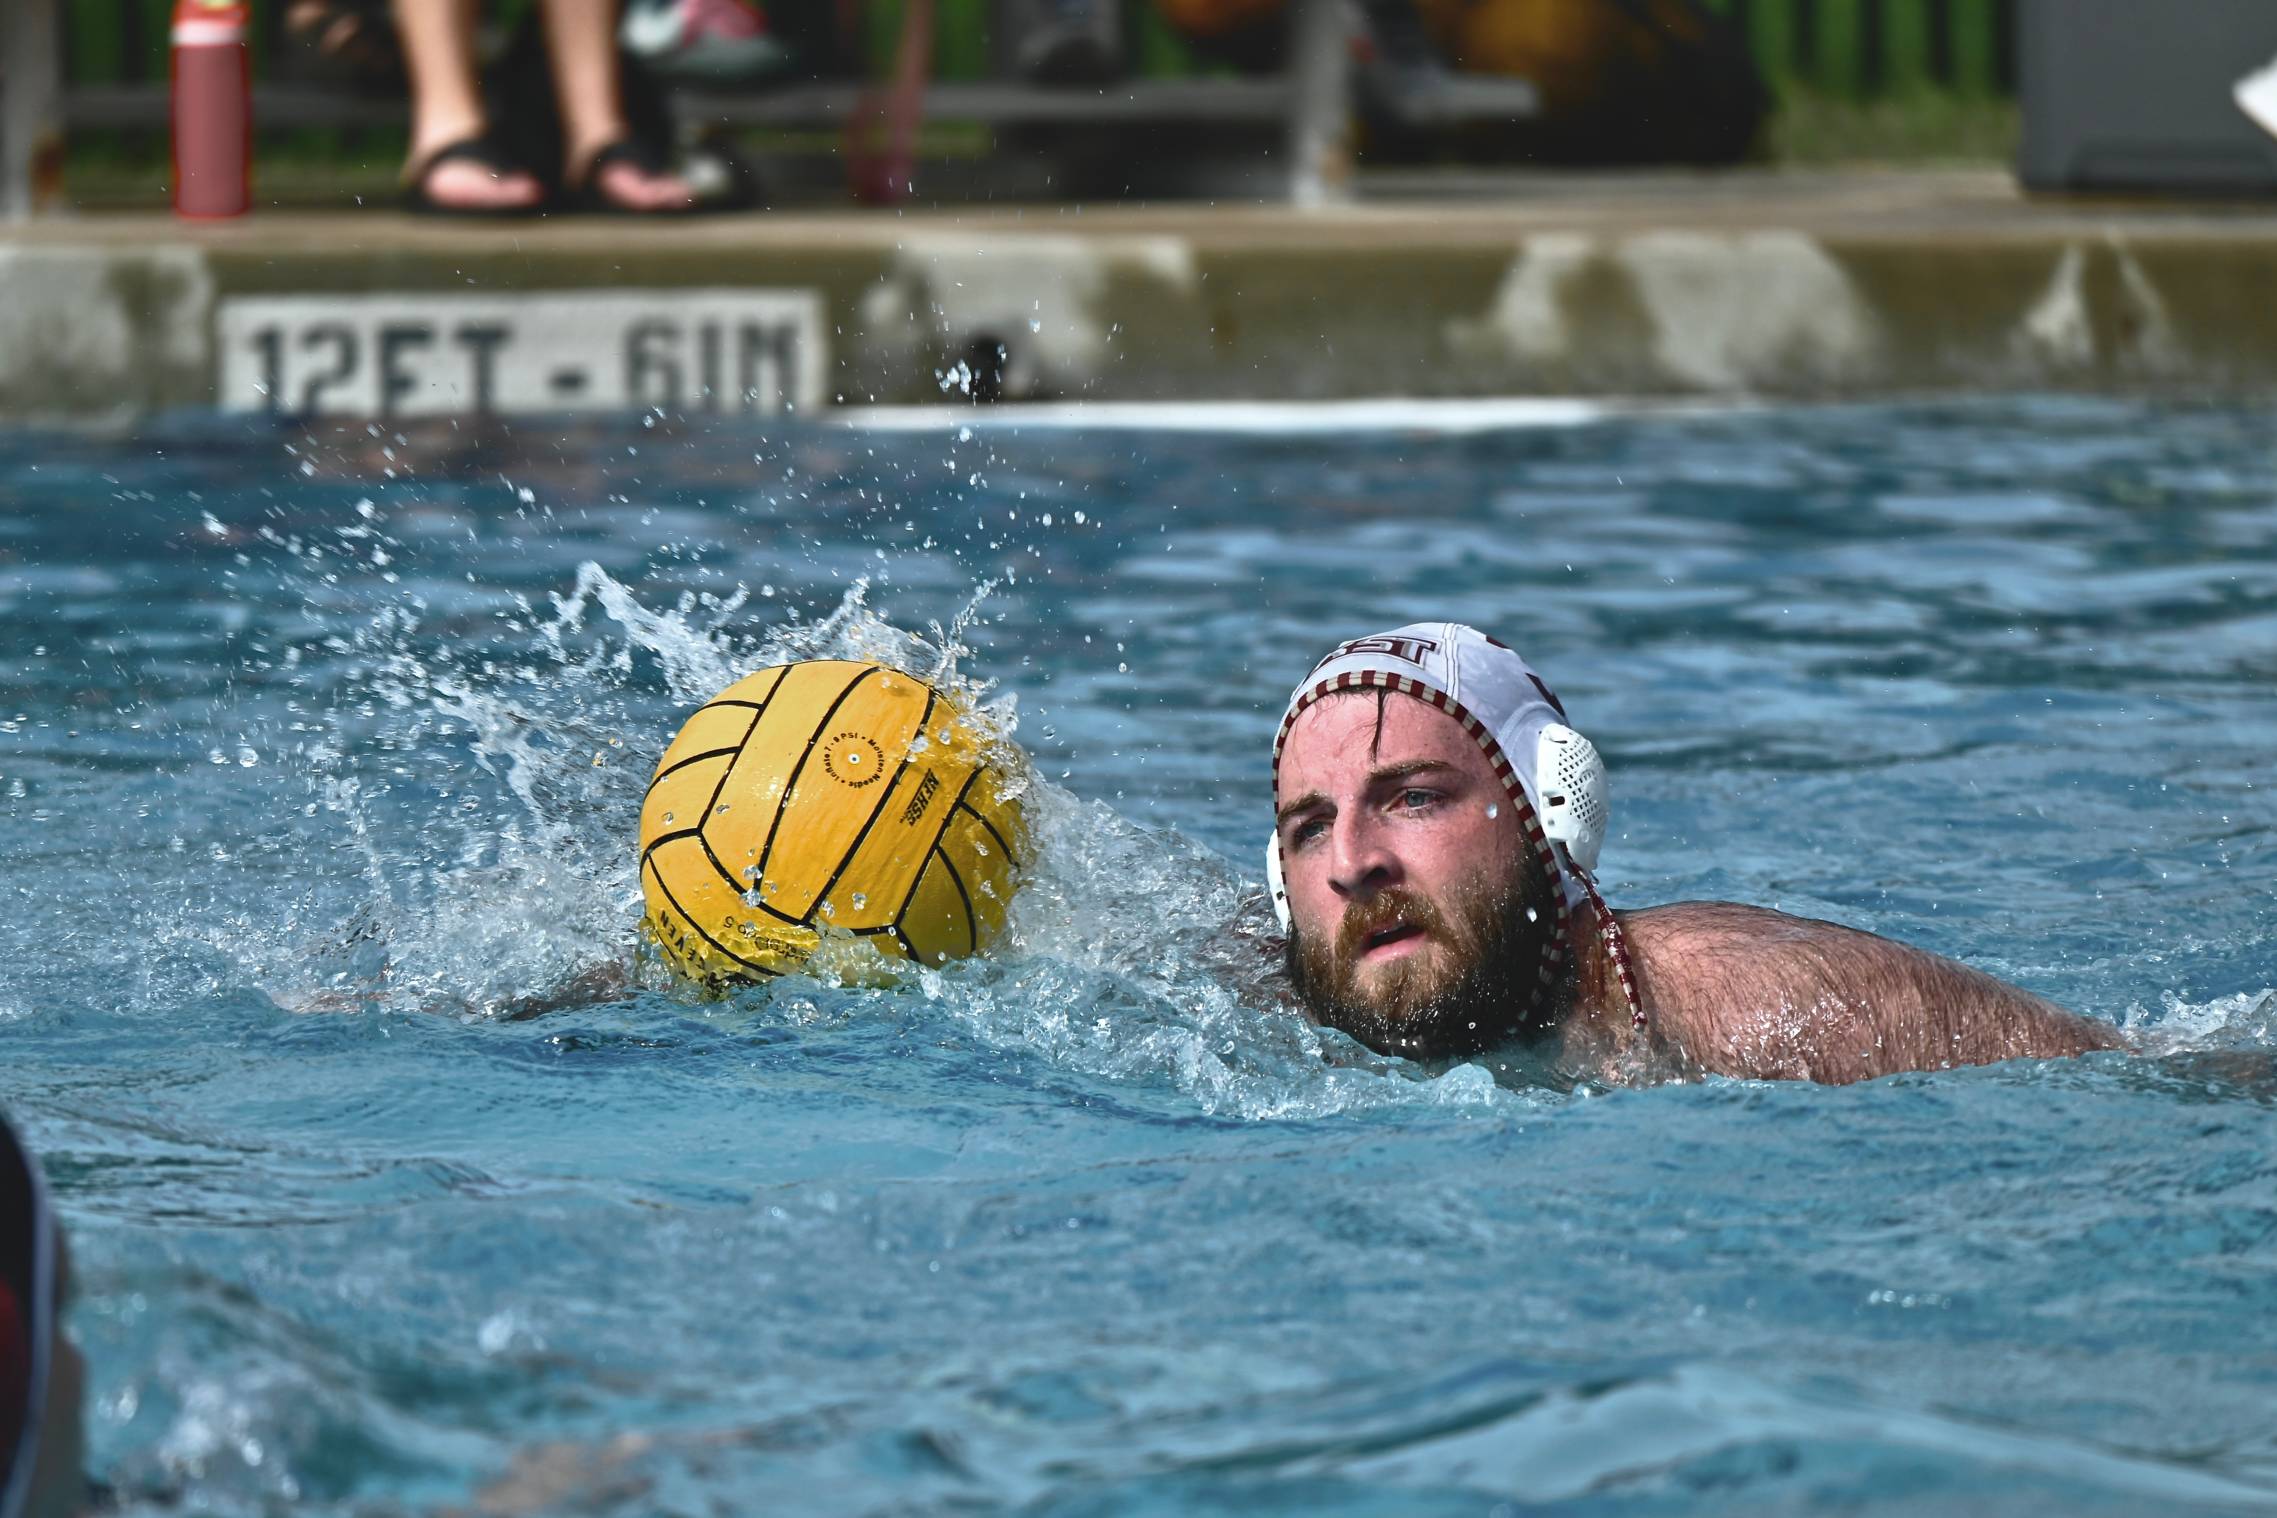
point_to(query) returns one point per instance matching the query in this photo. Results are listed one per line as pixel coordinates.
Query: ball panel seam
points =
(972, 924)
(678, 765)
(700, 930)
(982, 818)
(878, 808)
(790, 785)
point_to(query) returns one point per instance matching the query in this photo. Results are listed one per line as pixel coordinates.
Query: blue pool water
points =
(320, 757)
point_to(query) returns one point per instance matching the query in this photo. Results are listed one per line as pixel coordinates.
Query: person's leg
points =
(446, 108)
(581, 38)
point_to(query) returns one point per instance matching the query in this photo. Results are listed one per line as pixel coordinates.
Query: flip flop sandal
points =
(476, 150)
(587, 195)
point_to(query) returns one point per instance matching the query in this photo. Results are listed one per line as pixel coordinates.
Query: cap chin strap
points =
(1616, 942)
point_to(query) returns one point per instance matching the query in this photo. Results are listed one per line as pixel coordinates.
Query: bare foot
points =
(625, 182)
(628, 186)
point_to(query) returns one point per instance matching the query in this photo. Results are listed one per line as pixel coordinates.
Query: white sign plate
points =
(414, 354)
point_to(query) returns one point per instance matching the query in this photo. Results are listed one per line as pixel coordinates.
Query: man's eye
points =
(1414, 799)
(1304, 832)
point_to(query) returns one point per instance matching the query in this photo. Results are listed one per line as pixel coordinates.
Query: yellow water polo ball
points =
(828, 800)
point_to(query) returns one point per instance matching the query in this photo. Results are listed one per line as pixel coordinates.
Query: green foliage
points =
(1918, 127)
(1860, 50)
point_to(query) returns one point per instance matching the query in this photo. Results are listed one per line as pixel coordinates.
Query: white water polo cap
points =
(1554, 776)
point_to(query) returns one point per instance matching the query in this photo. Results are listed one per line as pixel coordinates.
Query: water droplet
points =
(830, 909)
(1532, 915)
(981, 849)
(717, 810)
(1493, 809)
(861, 900)
(667, 816)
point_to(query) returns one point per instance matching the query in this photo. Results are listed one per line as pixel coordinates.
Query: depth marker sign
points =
(409, 354)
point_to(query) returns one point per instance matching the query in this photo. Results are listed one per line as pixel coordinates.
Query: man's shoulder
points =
(1725, 937)
(1754, 991)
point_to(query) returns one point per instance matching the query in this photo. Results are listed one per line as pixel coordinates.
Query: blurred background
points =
(1088, 98)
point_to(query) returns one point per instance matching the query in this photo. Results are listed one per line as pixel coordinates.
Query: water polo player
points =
(1437, 823)
(40, 1374)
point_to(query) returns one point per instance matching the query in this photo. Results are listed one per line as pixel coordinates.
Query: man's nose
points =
(1361, 861)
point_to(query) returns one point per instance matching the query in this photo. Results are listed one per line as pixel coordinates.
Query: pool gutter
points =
(1655, 286)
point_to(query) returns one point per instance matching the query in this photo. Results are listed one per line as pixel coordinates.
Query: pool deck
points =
(1684, 285)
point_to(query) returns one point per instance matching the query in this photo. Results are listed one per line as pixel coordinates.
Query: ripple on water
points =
(365, 1224)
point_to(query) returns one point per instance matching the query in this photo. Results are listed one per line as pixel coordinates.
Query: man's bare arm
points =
(1750, 992)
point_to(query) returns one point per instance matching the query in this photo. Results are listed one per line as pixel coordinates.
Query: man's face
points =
(1407, 876)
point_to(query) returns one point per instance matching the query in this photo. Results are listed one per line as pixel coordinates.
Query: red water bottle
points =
(213, 108)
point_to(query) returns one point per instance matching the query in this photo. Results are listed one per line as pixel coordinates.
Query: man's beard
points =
(1471, 990)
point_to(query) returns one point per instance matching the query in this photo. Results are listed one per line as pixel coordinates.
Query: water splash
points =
(2243, 1020)
(1131, 953)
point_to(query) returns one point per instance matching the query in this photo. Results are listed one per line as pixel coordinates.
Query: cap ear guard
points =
(1571, 775)
(1276, 884)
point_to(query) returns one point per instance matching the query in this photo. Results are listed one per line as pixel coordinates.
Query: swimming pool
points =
(319, 761)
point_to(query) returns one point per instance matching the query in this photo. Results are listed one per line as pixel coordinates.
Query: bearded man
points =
(1437, 824)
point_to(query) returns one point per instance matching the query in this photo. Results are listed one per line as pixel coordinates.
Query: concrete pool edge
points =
(1695, 289)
